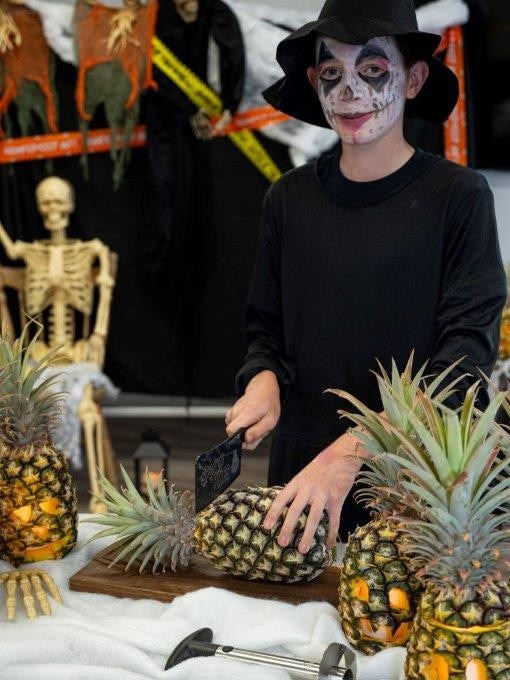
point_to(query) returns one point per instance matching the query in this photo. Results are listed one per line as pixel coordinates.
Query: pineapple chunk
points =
(52, 506)
(23, 514)
(436, 669)
(399, 599)
(476, 670)
(359, 590)
(401, 634)
(41, 532)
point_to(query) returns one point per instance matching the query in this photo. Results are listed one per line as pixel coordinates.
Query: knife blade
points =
(216, 469)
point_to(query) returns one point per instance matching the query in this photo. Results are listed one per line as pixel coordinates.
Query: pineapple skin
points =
(38, 505)
(461, 634)
(379, 592)
(229, 533)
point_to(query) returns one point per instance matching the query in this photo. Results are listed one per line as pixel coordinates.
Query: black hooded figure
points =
(179, 161)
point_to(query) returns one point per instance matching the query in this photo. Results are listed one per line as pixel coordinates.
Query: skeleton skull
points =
(55, 202)
(187, 9)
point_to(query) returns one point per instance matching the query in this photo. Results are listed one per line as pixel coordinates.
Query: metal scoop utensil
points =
(199, 644)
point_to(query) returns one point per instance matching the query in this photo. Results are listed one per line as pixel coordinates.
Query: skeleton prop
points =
(59, 278)
(114, 68)
(30, 581)
(26, 69)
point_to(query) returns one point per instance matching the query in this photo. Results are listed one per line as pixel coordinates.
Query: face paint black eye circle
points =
(331, 73)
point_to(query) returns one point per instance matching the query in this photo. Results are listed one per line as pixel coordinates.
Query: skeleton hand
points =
(29, 580)
(10, 37)
(222, 123)
(201, 125)
(96, 349)
(121, 34)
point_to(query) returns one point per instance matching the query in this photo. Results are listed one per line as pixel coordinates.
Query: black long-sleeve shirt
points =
(351, 272)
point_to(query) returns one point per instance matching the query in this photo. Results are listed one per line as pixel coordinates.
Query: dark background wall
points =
(498, 80)
(149, 341)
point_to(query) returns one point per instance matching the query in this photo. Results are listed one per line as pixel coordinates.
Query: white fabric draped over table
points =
(98, 637)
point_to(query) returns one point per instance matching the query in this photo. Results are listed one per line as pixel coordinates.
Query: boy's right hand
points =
(258, 410)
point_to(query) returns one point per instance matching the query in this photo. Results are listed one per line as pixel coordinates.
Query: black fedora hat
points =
(355, 22)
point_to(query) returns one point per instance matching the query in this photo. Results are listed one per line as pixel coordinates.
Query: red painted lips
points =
(353, 121)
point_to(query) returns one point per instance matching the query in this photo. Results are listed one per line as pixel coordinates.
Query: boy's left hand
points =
(322, 484)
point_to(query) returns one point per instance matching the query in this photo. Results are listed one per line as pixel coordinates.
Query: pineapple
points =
(228, 532)
(379, 591)
(458, 537)
(37, 496)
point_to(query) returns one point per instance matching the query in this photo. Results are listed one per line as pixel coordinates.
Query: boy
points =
(363, 255)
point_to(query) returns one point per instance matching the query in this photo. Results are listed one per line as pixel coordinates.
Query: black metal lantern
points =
(152, 456)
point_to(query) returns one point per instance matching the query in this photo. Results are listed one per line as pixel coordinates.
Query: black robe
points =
(179, 161)
(174, 250)
(351, 272)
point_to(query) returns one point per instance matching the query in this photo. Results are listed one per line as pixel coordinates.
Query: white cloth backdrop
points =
(260, 24)
(98, 637)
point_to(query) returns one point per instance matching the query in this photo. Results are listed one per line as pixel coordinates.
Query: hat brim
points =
(295, 96)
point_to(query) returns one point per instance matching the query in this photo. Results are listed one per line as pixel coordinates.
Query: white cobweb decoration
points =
(73, 380)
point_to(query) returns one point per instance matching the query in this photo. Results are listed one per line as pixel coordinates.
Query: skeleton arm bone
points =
(105, 284)
(15, 251)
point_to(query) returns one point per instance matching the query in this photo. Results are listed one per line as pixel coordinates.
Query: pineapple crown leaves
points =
(456, 492)
(30, 404)
(393, 390)
(158, 530)
(381, 483)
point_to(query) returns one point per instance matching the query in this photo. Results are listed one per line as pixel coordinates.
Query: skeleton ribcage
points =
(59, 279)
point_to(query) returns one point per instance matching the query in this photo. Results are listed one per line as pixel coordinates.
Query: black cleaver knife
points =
(215, 470)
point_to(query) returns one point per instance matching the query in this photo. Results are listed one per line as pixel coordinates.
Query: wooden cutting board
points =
(96, 577)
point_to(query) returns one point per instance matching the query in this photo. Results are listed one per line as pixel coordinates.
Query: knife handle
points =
(240, 433)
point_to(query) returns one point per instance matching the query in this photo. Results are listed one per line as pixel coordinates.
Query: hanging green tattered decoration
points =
(26, 72)
(115, 67)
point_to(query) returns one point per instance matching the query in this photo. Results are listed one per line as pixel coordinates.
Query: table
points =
(98, 637)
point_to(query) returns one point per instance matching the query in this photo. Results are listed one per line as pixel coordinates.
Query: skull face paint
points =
(362, 88)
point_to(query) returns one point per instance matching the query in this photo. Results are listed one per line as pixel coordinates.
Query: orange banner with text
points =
(58, 145)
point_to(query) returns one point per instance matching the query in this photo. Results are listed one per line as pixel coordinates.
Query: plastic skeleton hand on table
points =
(30, 580)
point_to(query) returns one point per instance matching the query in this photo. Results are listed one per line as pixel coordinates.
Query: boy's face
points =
(362, 88)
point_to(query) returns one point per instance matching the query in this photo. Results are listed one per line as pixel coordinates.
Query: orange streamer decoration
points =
(93, 28)
(30, 61)
(253, 119)
(42, 147)
(62, 144)
(455, 128)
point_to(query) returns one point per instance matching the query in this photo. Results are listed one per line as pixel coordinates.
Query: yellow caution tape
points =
(205, 98)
